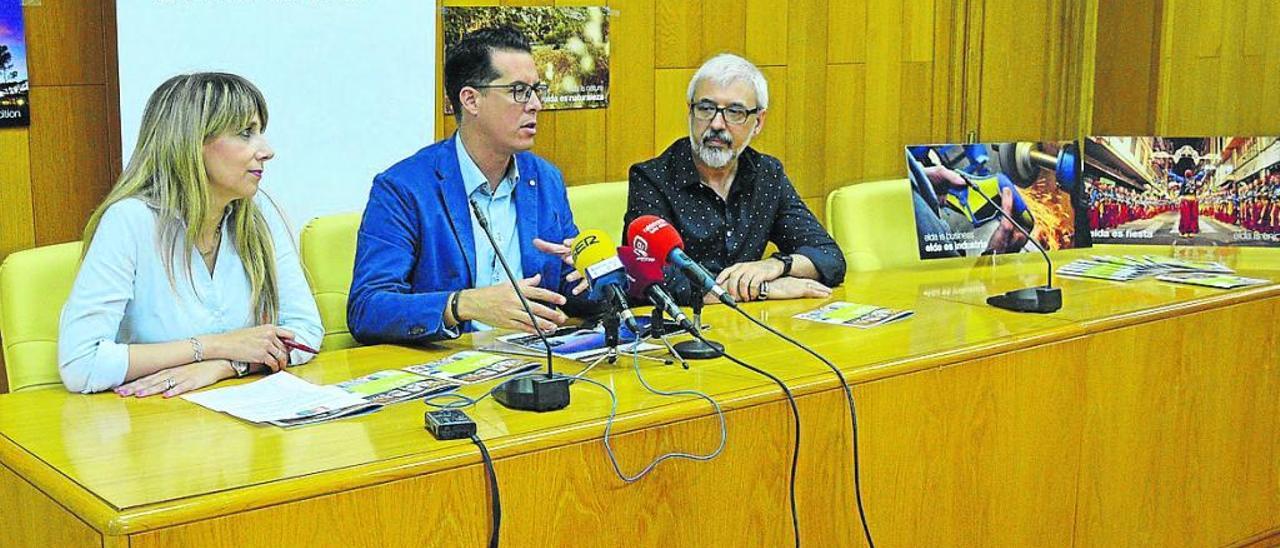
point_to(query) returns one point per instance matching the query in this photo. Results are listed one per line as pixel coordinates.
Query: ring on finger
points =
(169, 383)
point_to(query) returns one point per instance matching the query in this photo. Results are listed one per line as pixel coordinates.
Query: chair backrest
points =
(601, 206)
(34, 284)
(328, 248)
(874, 224)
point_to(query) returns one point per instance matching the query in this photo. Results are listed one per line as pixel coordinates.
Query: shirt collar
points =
(473, 179)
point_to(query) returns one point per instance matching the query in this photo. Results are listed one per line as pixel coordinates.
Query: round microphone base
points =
(698, 350)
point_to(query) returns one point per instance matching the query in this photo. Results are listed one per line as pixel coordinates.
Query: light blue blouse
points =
(122, 296)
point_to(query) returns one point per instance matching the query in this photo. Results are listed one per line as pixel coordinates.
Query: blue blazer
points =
(416, 245)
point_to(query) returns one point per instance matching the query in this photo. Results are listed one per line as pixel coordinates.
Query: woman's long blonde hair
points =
(167, 172)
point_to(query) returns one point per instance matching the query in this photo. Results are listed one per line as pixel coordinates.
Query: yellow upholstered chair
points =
(328, 249)
(874, 224)
(34, 284)
(601, 206)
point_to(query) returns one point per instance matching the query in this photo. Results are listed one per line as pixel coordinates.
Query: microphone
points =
(651, 235)
(529, 393)
(1032, 299)
(594, 257)
(644, 274)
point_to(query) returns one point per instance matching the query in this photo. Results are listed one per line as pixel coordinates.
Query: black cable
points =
(493, 490)
(795, 415)
(853, 417)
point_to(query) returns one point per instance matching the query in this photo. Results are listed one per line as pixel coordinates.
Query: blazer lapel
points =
(457, 208)
(526, 197)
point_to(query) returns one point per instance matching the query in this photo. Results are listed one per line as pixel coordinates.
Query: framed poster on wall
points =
(15, 109)
(1206, 191)
(570, 48)
(959, 190)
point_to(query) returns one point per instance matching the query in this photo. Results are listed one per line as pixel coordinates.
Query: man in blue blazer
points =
(424, 269)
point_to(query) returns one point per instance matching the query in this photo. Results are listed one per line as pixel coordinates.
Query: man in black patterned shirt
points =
(728, 200)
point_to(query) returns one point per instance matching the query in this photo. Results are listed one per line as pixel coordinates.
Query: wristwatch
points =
(786, 263)
(241, 368)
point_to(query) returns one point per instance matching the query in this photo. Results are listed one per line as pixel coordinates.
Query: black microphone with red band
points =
(653, 236)
(644, 277)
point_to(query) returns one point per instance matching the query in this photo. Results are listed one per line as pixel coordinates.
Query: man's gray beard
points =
(714, 158)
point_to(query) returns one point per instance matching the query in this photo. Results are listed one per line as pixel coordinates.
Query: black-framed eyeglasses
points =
(520, 91)
(733, 114)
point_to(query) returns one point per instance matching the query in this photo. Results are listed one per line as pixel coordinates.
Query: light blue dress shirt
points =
(500, 209)
(122, 295)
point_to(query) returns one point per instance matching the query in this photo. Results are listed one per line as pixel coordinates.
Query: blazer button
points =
(415, 331)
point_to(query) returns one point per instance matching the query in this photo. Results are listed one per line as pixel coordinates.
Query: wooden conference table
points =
(1141, 414)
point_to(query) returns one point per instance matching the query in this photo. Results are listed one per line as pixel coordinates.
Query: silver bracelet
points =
(197, 349)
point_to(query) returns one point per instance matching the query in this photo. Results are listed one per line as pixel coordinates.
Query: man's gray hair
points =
(726, 68)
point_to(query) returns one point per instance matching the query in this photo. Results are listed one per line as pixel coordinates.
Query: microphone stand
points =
(612, 323)
(657, 327)
(699, 348)
(1039, 299)
(534, 392)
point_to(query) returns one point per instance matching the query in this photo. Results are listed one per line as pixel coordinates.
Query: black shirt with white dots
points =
(762, 206)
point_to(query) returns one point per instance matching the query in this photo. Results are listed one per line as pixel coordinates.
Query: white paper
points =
(276, 397)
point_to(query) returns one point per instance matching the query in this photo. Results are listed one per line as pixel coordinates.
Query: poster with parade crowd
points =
(959, 192)
(1201, 191)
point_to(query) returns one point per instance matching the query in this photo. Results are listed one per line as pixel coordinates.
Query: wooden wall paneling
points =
(1088, 71)
(918, 30)
(1014, 54)
(1126, 67)
(844, 123)
(69, 177)
(544, 144)
(1189, 68)
(915, 116)
(766, 32)
(773, 138)
(724, 27)
(1254, 55)
(111, 61)
(1268, 77)
(678, 34)
(948, 71)
(1255, 32)
(631, 87)
(17, 231)
(580, 145)
(1230, 81)
(1211, 18)
(1063, 41)
(1028, 88)
(1199, 115)
(441, 96)
(806, 83)
(1168, 48)
(971, 71)
(847, 32)
(66, 43)
(670, 108)
(883, 93)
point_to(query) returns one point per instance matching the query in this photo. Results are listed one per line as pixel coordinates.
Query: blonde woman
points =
(187, 278)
